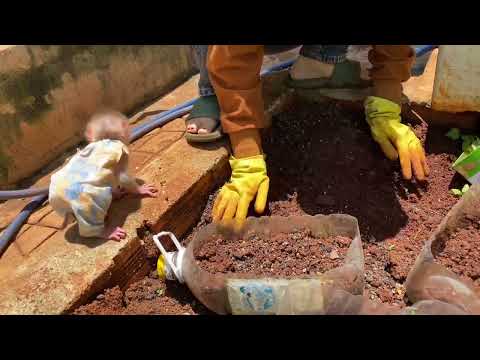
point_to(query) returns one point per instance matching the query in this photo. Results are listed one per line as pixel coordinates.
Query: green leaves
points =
(460, 193)
(469, 142)
(453, 134)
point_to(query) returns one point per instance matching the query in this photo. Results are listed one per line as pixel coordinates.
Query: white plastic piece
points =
(457, 79)
(173, 260)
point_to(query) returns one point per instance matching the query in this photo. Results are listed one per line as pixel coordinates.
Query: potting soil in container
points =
(460, 252)
(294, 254)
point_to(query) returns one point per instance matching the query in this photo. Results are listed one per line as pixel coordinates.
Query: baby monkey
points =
(94, 176)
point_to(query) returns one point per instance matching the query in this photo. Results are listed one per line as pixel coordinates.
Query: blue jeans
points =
(331, 54)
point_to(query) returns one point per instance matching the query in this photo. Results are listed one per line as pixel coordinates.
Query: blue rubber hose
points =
(161, 120)
(12, 229)
(422, 50)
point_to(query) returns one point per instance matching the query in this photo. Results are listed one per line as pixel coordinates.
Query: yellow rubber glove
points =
(395, 138)
(249, 178)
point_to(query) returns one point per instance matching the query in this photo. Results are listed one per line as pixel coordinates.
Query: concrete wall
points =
(47, 93)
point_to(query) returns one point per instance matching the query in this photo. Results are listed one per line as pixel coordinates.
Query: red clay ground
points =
(283, 255)
(322, 159)
(148, 296)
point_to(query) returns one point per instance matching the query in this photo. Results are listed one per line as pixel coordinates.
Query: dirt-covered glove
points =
(249, 178)
(395, 138)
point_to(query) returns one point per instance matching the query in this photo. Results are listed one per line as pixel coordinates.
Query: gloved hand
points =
(249, 178)
(395, 138)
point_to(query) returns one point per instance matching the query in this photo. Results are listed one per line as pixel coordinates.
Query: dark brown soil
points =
(322, 160)
(148, 296)
(461, 252)
(281, 255)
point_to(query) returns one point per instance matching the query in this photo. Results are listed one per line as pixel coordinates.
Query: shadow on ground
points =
(117, 215)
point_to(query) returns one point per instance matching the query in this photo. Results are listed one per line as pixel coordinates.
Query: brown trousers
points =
(235, 75)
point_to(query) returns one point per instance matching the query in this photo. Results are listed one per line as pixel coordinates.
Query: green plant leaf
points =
(470, 143)
(465, 188)
(453, 134)
(456, 192)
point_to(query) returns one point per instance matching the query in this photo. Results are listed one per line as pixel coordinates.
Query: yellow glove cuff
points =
(252, 164)
(379, 108)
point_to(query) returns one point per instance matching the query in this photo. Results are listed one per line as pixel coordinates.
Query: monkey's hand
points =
(147, 190)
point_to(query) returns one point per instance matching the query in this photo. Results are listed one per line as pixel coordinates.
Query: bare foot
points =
(114, 233)
(147, 190)
(201, 125)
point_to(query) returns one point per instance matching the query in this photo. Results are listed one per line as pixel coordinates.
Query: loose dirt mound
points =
(461, 252)
(149, 296)
(294, 254)
(323, 160)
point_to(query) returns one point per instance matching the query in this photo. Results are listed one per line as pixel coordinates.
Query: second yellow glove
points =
(249, 178)
(395, 138)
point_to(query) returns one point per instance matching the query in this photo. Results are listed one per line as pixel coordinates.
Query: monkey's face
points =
(113, 129)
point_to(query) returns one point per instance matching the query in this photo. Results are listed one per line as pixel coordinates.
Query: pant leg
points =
(276, 49)
(235, 75)
(391, 65)
(330, 54)
(200, 52)
(205, 87)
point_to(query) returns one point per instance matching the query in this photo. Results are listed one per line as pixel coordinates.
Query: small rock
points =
(334, 255)
(100, 297)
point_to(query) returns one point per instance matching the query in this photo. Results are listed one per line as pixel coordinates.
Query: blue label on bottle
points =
(257, 297)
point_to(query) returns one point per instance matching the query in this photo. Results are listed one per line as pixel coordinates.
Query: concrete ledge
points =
(47, 93)
(52, 271)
